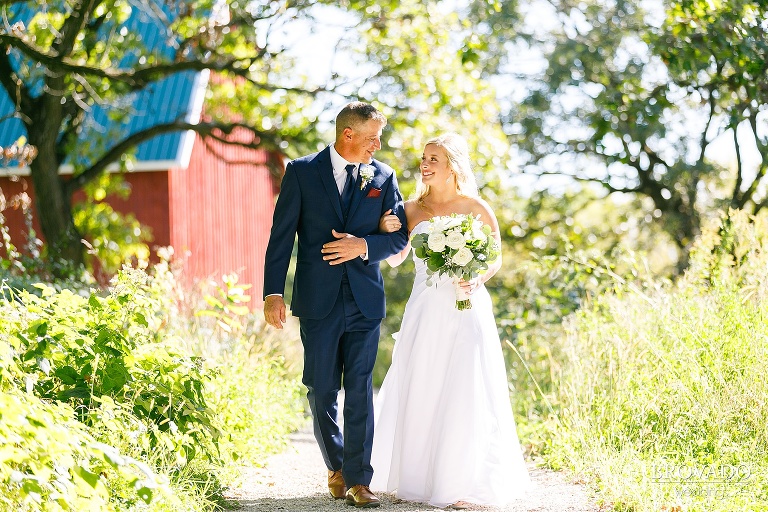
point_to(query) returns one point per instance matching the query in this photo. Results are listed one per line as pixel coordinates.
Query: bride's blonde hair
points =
(457, 151)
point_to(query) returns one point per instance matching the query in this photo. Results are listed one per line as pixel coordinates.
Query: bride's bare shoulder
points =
(411, 208)
(414, 214)
(479, 206)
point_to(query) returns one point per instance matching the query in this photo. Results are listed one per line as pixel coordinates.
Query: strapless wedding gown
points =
(444, 427)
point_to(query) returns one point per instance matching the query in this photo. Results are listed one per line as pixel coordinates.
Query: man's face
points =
(363, 141)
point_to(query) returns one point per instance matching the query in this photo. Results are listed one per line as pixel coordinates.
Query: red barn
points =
(212, 202)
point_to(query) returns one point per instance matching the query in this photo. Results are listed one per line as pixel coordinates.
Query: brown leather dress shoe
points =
(362, 497)
(336, 484)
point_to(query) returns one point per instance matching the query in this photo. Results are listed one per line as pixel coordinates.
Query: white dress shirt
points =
(340, 169)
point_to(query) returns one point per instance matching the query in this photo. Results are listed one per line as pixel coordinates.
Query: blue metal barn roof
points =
(178, 96)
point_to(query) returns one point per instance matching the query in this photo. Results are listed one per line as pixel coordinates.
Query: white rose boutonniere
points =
(366, 175)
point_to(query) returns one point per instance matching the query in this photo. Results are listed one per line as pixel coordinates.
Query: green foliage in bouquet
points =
(460, 246)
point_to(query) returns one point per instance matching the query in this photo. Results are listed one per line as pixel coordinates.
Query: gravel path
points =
(295, 481)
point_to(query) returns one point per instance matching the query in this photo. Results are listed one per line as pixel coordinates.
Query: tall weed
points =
(658, 393)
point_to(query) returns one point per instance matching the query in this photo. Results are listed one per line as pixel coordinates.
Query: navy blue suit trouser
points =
(344, 343)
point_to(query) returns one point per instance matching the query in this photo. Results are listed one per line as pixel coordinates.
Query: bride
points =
(444, 431)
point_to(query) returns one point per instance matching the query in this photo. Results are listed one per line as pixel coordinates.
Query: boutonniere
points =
(366, 175)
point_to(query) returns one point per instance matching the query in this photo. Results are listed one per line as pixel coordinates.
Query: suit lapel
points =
(325, 169)
(376, 181)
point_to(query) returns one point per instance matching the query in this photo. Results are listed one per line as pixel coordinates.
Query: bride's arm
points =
(387, 224)
(496, 265)
(400, 257)
(488, 217)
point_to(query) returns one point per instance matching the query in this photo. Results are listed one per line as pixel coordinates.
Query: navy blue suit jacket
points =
(309, 205)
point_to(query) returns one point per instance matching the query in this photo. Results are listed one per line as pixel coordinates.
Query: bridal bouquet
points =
(458, 245)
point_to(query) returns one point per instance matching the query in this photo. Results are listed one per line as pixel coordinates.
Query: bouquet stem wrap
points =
(462, 297)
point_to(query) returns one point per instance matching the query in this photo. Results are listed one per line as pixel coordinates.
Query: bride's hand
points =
(470, 286)
(389, 223)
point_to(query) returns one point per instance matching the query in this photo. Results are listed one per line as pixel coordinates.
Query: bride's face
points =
(435, 168)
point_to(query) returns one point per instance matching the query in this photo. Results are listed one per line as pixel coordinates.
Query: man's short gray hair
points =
(355, 114)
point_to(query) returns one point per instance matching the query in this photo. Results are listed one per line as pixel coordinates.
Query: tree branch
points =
(261, 140)
(762, 204)
(703, 143)
(274, 170)
(72, 27)
(605, 183)
(17, 91)
(140, 77)
(737, 199)
(74, 116)
(761, 170)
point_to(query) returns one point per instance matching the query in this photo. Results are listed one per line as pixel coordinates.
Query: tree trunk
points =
(52, 201)
(684, 229)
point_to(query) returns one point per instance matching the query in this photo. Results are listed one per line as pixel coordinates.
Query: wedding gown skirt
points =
(444, 427)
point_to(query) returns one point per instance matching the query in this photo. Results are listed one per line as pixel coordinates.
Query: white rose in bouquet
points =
(462, 256)
(451, 222)
(454, 240)
(436, 242)
(476, 233)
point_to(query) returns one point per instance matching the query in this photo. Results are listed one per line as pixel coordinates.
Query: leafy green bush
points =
(120, 371)
(75, 349)
(48, 461)
(248, 356)
(255, 423)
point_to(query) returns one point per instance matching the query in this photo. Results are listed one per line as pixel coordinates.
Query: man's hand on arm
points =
(274, 311)
(346, 247)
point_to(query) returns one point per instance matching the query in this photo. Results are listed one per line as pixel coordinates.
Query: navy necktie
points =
(349, 187)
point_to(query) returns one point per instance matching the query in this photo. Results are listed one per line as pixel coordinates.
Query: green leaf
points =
(91, 478)
(141, 319)
(31, 486)
(94, 302)
(46, 291)
(40, 327)
(68, 375)
(435, 261)
(145, 493)
(76, 392)
(115, 375)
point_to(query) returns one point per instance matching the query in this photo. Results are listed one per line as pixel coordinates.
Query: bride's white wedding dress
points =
(444, 427)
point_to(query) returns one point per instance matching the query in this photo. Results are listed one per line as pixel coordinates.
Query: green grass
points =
(658, 395)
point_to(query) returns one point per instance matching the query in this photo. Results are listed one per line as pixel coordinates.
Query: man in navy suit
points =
(333, 201)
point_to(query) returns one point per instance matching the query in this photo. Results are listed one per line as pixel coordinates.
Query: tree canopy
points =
(637, 97)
